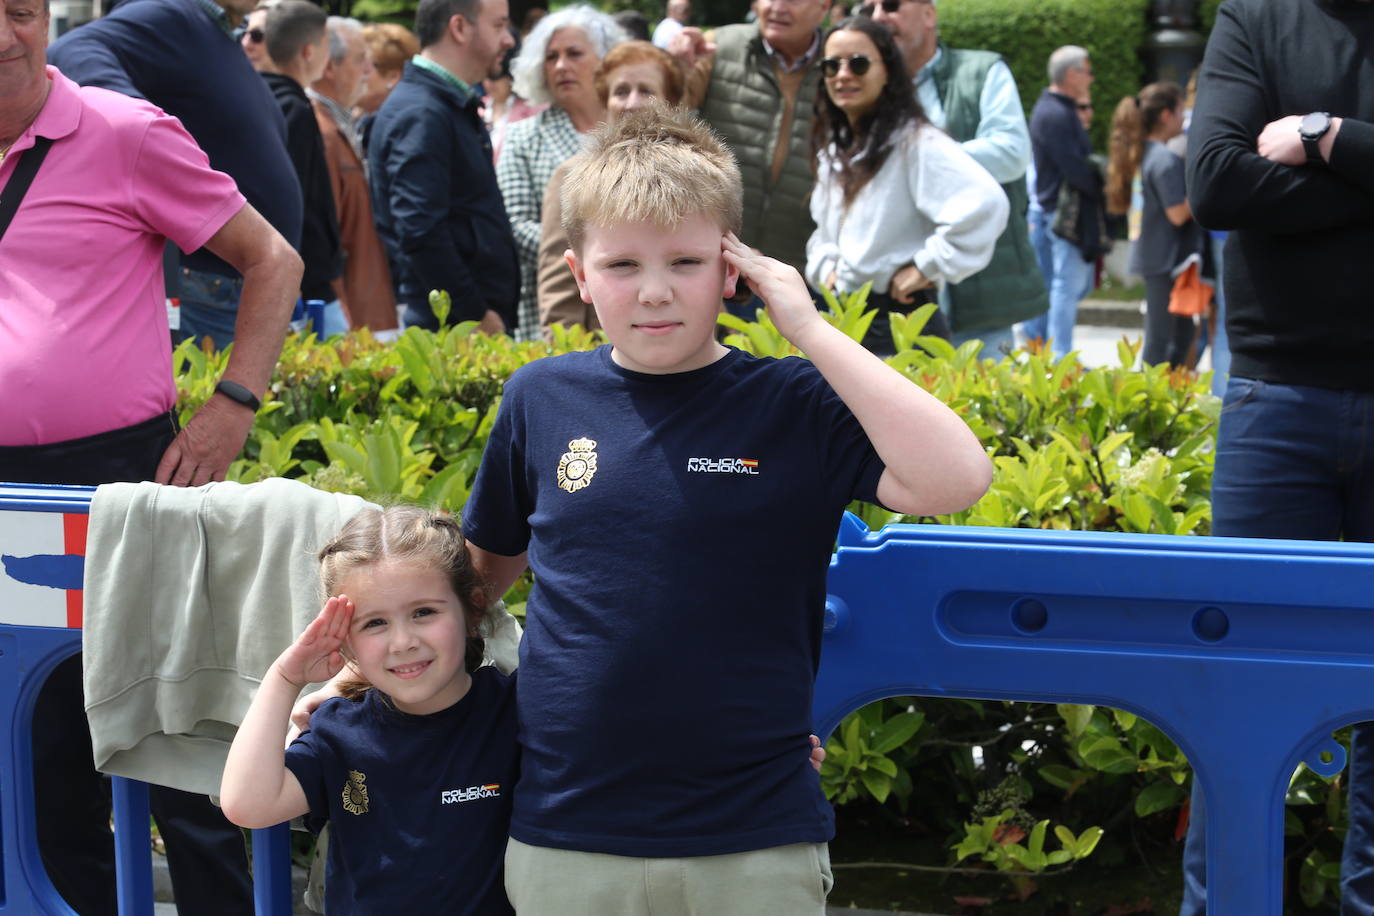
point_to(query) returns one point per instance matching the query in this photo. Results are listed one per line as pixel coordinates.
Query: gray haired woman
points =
(556, 65)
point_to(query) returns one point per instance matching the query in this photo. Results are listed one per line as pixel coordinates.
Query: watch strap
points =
(1313, 149)
(238, 394)
(1311, 139)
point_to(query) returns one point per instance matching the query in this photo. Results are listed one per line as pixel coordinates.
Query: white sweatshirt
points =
(930, 205)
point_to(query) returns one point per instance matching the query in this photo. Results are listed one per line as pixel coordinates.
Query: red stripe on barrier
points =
(74, 527)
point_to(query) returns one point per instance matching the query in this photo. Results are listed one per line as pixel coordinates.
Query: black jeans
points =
(205, 853)
(879, 337)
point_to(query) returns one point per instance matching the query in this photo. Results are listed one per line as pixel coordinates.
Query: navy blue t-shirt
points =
(420, 805)
(679, 528)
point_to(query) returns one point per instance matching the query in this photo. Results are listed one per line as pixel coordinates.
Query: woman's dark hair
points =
(895, 109)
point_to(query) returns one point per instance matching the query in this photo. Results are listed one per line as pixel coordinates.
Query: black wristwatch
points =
(238, 394)
(1312, 128)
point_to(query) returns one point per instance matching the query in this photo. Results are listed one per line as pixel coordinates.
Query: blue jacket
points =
(436, 202)
(1061, 150)
(172, 53)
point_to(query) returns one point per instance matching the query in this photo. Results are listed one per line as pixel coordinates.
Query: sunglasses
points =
(1085, 106)
(858, 64)
(890, 6)
(255, 36)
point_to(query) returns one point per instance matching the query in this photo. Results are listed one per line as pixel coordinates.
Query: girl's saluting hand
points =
(316, 654)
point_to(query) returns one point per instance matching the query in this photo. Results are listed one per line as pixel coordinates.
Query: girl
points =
(1162, 231)
(897, 203)
(414, 772)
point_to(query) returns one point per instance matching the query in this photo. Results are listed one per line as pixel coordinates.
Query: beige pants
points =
(784, 880)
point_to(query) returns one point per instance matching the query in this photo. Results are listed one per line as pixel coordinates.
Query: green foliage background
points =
(1025, 33)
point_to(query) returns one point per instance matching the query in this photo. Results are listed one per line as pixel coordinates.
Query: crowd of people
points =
(426, 160)
(239, 157)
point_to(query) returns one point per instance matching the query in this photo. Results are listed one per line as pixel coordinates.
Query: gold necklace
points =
(6, 151)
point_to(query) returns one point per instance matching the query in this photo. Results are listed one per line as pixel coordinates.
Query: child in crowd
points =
(415, 772)
(678, 501)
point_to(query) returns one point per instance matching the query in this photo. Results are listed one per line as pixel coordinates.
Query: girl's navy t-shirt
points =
(679, 528)
(420, 805)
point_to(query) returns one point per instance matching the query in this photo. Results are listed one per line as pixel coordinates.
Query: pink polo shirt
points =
(84, 345)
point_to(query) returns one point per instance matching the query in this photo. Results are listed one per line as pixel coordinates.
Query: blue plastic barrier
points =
(1202, 636)
(42, 549)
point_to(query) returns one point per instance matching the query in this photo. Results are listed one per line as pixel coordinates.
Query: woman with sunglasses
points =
(254, 39)
(898, 203)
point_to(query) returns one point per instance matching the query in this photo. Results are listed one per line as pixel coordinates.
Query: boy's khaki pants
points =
(785, 880)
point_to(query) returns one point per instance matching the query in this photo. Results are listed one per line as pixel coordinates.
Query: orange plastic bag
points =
(1190, 296)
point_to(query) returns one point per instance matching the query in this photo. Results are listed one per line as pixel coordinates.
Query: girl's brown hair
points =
(408, 534)
(1134, 119)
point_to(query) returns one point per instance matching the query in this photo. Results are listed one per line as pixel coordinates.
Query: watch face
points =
(1314, 124)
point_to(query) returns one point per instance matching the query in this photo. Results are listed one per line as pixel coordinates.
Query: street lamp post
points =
(1173, 48)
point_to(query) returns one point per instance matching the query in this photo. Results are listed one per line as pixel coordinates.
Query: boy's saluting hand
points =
(315, 656)
(934, 462)
(779, 285)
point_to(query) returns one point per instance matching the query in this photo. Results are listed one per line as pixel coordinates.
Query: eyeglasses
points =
(858, 64)
(255, 36)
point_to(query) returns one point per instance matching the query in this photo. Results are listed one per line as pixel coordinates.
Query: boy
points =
(678, 501)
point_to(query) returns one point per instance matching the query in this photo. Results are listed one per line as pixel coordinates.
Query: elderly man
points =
(434, 190)
(182, 56)
(85, 367)
(1062, 154)
(365, 289)
(972, 96)
(756, 85)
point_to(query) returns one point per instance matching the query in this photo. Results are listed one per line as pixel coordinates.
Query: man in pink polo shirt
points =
(86, 388)
(84, 347)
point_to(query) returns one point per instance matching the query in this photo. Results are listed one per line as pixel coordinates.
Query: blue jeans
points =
(1297, 462)
(1067, 277)
(1039, 227)
(997, 342)
(1072, 280)
(209, 306)
(1221, 345)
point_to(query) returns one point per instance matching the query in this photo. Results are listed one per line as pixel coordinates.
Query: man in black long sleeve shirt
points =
(1280, 151)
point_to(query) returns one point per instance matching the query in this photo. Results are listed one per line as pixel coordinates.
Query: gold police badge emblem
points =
(578, 465)
(355, 793)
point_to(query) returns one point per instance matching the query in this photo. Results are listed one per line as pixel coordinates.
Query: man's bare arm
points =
(271, 272)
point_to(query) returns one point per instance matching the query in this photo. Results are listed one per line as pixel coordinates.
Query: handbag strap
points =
(19, 182)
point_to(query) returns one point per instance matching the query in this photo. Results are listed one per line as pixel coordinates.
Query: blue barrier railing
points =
(42, 545)
(1202, 636)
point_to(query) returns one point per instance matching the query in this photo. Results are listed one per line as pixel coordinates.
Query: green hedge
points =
(1025, 33)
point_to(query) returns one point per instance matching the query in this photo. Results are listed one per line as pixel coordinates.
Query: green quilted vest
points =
(744, 104)
(1010, 288)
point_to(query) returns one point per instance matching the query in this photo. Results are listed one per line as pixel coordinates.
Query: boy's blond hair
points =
(654, 165)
